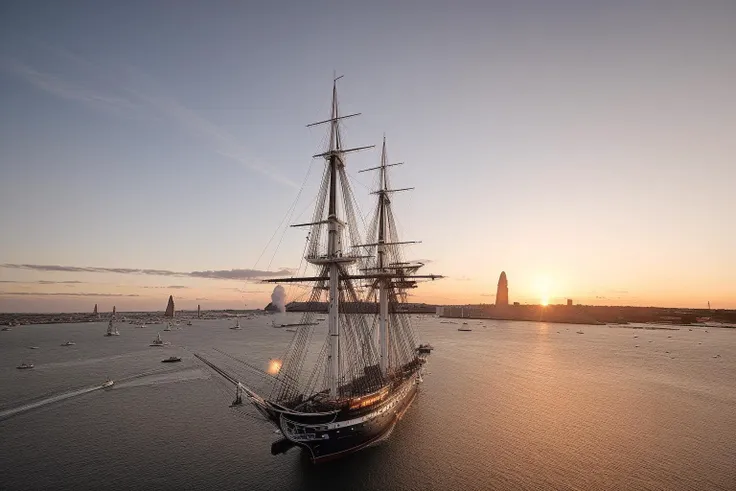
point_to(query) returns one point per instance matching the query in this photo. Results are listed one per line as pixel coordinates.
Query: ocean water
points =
(510, 405)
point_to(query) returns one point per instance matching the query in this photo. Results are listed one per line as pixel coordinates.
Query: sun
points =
(545, 301)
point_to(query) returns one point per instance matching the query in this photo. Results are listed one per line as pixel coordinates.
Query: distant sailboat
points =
(168, 326)
(157, 341)
(112, 329)
(237, 324)
(170, 308)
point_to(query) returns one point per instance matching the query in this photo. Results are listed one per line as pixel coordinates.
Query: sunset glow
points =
(274, 367)
(598, 204)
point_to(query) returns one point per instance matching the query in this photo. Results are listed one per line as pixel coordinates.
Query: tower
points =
(502, 293)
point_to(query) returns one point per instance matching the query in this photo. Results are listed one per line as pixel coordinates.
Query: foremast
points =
(391, 276)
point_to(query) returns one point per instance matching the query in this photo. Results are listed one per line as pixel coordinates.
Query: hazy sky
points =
(586, 148)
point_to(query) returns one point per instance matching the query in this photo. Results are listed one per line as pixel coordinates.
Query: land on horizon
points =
(573, 314)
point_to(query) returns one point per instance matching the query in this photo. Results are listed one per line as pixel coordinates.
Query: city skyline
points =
(585, 150)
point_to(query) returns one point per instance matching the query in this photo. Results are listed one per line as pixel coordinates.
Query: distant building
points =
(502, 293)
(569, 302)
(170, 307)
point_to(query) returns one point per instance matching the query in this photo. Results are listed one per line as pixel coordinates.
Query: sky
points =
(153, 148)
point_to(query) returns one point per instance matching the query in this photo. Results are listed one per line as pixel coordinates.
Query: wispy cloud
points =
(157, 99)
(175, 287)
(66, 89)
(201, 298)
(68, 294)
(129, 90)
(46, 282)
(42, 282)
(227, 274)
(487, 294)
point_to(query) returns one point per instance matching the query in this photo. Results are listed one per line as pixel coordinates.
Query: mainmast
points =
(333, 273)
(334, 260)
(383, 287)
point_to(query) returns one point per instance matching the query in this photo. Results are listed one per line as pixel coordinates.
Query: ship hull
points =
(346, 436)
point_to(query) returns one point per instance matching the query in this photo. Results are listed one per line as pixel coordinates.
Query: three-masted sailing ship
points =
(366, 373)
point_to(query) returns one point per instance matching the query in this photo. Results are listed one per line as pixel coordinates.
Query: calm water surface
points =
(510, 405)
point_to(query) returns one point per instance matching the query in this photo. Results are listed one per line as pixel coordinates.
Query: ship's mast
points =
(334, 298)
(391, 274)
(382, 288)
(334, 257)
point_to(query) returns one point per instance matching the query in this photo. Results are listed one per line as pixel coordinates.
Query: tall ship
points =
(348, 393)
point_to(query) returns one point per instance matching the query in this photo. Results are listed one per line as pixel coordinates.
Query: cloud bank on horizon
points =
(227, 274)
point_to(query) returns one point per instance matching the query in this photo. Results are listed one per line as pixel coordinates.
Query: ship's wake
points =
(151, 377)
(7, 413)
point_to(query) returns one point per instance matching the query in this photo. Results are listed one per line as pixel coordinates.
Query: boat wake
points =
(4, 414)
(167, 377)
(152, 377)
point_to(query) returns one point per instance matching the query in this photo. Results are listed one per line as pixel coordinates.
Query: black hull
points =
(345, 436)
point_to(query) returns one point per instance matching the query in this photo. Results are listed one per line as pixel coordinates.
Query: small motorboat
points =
(171, 359)
(580, 332)
(68, 343)
(24, 366)
(6, 329)
(33, 347)
(189, 323)
(425, 348)
(108, 383)
(142, 326)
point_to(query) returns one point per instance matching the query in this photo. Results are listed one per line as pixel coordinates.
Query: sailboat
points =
(366, 374)
(168, 326)
(112, 329)
(157, 341)
(237, 324)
